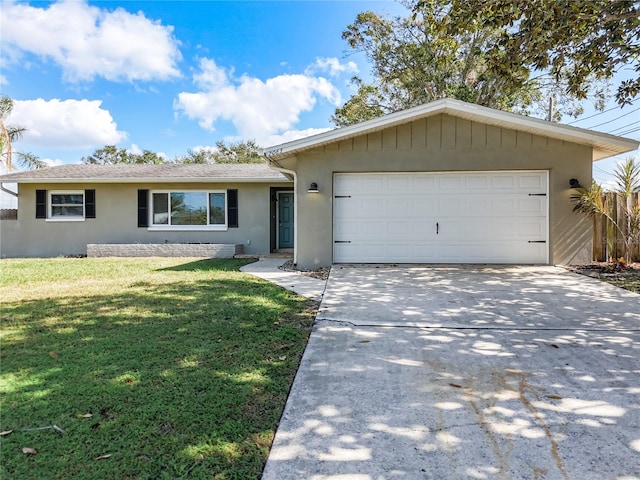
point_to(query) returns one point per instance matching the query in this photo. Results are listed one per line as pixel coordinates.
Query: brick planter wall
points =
(205, 250)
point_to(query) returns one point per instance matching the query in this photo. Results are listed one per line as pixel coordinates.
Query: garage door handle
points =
(437, 228)
(537, 241)
(342, 241)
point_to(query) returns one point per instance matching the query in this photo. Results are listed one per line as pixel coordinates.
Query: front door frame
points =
(274, 191)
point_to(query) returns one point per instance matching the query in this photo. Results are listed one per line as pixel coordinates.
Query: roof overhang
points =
(603, 145)
(143, 180)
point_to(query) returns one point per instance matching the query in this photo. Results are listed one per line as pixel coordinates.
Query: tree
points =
(111, 155)
(10, 134)
(415, 60)
(575, 40)
(240, 152)
(592, 202)
(421, 58)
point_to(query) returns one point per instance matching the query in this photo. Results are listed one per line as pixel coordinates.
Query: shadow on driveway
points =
(524, 372)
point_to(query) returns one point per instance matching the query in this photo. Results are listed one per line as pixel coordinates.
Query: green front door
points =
(285, 220)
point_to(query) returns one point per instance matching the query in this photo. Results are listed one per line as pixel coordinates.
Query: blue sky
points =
(170, 76)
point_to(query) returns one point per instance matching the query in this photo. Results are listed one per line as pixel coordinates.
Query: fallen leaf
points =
(84, 415)
(554, 397)
(276, 323)
(6, 432)
(455, 385)
(554, 345)
(102, 457)
(283, 357)
(29, 451)
(364, 341)
(53, 354)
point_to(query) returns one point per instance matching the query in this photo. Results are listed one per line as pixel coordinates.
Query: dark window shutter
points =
(89, 204)
(232, 208)
(143, 208)
(41, 204)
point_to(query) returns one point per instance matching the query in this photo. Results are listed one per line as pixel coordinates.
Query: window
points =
(66, 205)
(189, 210)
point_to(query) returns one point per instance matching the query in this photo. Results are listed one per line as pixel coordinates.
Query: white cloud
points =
(134, 149)
(291, 135)
(332, 66)
(65, 123)
(87, 41)
(256, 108)
(53, 162)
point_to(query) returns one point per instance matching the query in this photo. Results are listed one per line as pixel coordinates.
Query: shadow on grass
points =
(217, 264)
(174, 379)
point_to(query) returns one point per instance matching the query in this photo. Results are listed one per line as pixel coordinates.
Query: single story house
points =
(63, 209)
(445, 182)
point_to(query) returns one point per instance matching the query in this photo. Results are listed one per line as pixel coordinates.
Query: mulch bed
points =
(627, 276)
(321, 273)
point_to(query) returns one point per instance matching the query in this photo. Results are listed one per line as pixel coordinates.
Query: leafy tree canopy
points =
(239, 152)
(111, 155)
(422, 57)
(577, 40)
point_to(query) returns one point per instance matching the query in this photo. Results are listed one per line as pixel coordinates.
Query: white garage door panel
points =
(471, 217)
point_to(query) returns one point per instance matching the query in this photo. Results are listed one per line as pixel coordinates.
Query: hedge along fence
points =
(607, 240)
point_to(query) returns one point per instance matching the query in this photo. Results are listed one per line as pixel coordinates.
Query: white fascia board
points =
(148, 180)
(603, 144)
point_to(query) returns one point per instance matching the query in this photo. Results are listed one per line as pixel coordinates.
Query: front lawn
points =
(143, 368)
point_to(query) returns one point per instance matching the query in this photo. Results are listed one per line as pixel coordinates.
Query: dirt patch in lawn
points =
(627, 277)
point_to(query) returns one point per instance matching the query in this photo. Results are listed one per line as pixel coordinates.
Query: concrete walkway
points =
(304, 285)
(465, 373)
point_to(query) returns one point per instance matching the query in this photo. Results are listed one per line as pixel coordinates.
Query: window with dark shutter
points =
(232, 208)
(41, 204)
(89, 204)
(143, 208)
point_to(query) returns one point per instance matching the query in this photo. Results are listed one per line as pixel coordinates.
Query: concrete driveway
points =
(465, 372)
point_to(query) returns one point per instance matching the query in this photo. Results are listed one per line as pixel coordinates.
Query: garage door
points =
(471, 217)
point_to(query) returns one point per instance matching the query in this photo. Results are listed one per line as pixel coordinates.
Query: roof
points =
(149, 173)
(604, 145)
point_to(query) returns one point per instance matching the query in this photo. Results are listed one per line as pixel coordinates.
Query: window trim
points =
(70, 218)
(156, 227)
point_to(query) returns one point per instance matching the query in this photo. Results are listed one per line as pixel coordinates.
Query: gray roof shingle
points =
(242, 172)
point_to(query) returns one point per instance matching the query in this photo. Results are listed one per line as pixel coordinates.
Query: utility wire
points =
(629, 131)
(600, 113)
(624, 126)
(615, 119)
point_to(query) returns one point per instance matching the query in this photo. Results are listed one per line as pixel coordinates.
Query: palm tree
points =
(10, 134)
(592, 202)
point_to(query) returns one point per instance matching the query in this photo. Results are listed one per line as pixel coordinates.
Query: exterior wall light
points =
(313, 188)
(574, 183)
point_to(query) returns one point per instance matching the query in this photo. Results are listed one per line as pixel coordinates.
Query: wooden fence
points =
(607, 240)
(8, 214)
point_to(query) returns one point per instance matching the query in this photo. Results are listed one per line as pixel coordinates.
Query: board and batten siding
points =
(442, 143)
(441, 132)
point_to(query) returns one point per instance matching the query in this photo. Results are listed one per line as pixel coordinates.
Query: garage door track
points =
(465, 372)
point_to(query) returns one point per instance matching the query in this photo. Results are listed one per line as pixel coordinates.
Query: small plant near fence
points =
(616, 215)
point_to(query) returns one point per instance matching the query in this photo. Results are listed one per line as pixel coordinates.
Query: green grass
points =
(176, 368)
